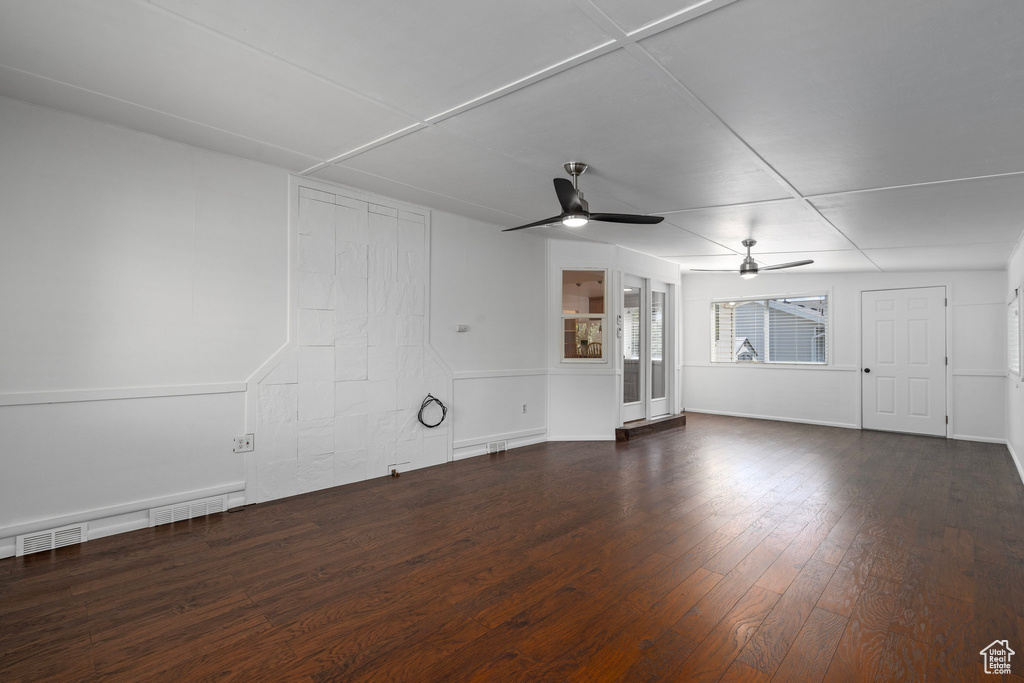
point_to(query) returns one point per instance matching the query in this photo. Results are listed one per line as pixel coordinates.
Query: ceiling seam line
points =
(908, 186)
(390, 137)
(717, 122)
(619, 40)
(531, 79)
(498, 93)
(679, 18)
(757, 202)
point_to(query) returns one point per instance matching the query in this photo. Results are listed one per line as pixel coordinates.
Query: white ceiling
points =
(867, 135)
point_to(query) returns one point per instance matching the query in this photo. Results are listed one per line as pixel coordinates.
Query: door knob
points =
(867, 369)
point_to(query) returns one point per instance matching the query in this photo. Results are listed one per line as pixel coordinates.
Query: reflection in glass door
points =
(658, 355)
(633, 338)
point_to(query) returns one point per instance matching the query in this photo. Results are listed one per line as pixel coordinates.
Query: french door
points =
(645, 334)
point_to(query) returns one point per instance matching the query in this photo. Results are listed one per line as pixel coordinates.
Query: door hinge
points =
(947, 360)
(945, 302)
(947, 419)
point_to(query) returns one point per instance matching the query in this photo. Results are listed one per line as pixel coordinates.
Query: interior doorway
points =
(646, 363)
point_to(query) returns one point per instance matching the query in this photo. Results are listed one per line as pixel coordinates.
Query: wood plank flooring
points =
(731, 549)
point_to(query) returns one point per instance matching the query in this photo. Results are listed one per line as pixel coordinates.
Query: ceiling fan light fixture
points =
(575, 220)
(748, 269)
(575, 209)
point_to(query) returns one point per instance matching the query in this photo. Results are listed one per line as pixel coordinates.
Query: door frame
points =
(628, 412)
(948, 285)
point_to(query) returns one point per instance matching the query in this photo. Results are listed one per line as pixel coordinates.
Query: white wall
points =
(340, 404)
(1014, 386)
(141, 283)
(494, 283)
(585, 399)
(831, 395)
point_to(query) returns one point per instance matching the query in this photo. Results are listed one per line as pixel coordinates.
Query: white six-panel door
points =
(903, 367)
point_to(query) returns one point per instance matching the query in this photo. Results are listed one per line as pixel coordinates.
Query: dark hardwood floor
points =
(731, 549)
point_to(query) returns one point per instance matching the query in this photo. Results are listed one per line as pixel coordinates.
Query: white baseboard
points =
(980, 439)
(101, 524)
(121, 524)
(582, 437)
(118, 516)
(506, 436)
(820, 423)
(1016, 461)
(476, 450)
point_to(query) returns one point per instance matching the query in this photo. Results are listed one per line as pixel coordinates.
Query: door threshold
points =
(638, 428)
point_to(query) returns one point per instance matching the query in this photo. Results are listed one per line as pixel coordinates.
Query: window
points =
(583, 315)
(1013, 333)
(778, 330)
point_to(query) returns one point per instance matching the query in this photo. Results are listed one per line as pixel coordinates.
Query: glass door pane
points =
(658, 369)
(632, 338)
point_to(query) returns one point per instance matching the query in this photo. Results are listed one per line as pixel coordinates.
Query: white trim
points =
(507, 436)
(268, 365)
(81, 395)
(1016, 460)
(980, 373)
(513, 440)
(979, 439)
(583, 437)
(776, 366)
(821, 423)
(977, 303)
(763, 297)
(583, 370)
(358, 195)
(487, 374)
(828, 294)
(123, 509)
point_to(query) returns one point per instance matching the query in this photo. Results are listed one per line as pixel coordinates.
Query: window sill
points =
(779, 366)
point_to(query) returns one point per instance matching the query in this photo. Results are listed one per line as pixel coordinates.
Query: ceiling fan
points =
(576, 211)
(749, 267)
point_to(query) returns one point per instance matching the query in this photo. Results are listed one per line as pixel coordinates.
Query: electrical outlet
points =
(243, 444)
(524, 407)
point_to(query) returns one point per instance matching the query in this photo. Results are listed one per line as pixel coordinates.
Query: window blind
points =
(771, 330)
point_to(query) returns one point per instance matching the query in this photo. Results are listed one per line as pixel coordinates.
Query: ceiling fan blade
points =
(716, 270)
(786, 265)
(567, 196)
(626, 218)
(546, 221)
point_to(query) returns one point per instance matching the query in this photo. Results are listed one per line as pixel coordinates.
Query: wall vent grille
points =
(187, 510)
(51, 539)
(497, 446)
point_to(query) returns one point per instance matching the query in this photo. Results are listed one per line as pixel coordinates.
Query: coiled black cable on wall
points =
(426, 403)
